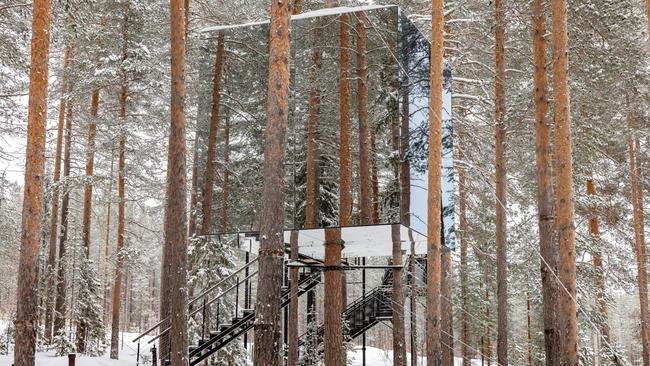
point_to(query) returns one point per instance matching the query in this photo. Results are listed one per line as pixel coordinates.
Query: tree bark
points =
(117, 284)
(399, 333)
(54, 230)
(446, 308)
(501, 186)
(601, 302)
(268, 327)
(225, 188)
(375, 177)
(208, 180)
(334, 354)
(60, 304)
(26, 315)
(107, 235)
(345, 155)
(639, 235)
(297, 7)
(88, 200)
(434, 217)
(565, 207)
(545, 192)
(176, 213)
(365, 168)
(313, 158)
(413, 307)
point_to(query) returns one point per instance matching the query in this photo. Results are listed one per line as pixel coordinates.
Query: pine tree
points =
(268, 308)
(565, 205)
(434, 216)
(33, 196)
(545, 191)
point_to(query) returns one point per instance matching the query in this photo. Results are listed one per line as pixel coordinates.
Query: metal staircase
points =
(218, 331)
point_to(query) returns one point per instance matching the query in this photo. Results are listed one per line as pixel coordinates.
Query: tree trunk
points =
(268, 327)
(434, 217)
(545, 192)
(375, 178)
(54, 230)
(334, 354)
(464, 227)
(399, 337)
(60, 305)
(413, 307)
(107, 235)
(208, 180)
(225, 188)
(365, 169)
(117, 284)
(297, 7)
(194, 199)
(446, 308)
(88, 200)
(313, 109)
(404, 165)
(639, 235)
(176, 213)
(565, 209)
(292, 346)
(501, 187)
(26, 315)
(345, 155)
(601, 302)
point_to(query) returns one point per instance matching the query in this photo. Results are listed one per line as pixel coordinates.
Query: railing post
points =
(247, 294)
(154, 356)
(137, 356)
(71, 359)
(203, 320)
(218, 306)
(237, 298)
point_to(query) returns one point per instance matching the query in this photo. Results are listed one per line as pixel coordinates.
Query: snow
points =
(127, 355)
(379, 357)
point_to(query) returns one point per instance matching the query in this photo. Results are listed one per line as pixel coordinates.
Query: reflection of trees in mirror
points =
(396, 59)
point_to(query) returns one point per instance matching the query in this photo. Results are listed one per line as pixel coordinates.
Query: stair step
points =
(248, 311)
(193, 347)
(214, 334)
(224, 327)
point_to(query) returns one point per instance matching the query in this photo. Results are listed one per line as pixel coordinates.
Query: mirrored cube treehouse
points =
(357, 139)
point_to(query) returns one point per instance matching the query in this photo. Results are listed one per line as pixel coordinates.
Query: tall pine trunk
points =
(176, 213)
(117, 283)
(268, 327)
(345, 154)
(333, 338)
(365, 168)
(88, 200)
(107, 236)
(434, 217)
(208, 180)
(639, 235)
(565, 206)
(501, 185)
(225, 184)
(545, 192)
(54, 229)
(210, 163)
(601, 302)
(446, 308)
(399, 337)
(26, 312)
(60, 303)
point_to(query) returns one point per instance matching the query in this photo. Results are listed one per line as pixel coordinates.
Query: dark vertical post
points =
(363, 294)
(237, 297)
(247, 300)
(137, 356)
(203, 319)
(154, 356)
(71, 359)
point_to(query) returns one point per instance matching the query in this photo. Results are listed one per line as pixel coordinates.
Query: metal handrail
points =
(207, 303)
(200, 296)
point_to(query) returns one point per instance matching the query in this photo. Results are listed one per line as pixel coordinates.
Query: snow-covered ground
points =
(374, 356)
